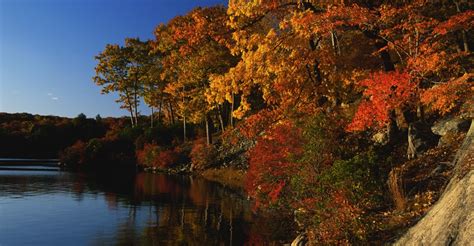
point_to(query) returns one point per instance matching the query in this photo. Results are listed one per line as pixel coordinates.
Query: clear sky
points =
(47, 50)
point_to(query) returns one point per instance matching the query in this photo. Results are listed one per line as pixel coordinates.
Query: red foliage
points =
(257, 123)
(152, 156)
(385, 91)
(168, 158)
(271, 164)
(202, 154)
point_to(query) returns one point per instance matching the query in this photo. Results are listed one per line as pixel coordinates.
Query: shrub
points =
(340, 195)
(153, 156)
(74, 155)
(303, 170)
(168, 158)
(94, 147)
(202, 155)
(130, 133)
(100, 153)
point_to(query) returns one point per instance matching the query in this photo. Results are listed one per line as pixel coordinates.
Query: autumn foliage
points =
(153, 156)
(272, 162)
(304, 85)
(74, 154)
(383, 93)
(202, 155)
(446, 97)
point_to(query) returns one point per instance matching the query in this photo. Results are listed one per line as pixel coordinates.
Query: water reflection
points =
(127, 209)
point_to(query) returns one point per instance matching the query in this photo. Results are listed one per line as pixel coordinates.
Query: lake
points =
(47, 207)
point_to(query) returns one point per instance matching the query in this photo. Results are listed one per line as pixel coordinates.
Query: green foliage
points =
(337, 198)
(94, 147)
(148, 155)
(324, 137)
(164, 135)
(334, 191)
(130, 133)
(35, 136)
(304, 168)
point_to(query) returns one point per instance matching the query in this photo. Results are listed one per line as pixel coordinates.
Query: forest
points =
(338, 113)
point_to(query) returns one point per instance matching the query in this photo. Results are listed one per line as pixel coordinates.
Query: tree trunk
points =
(232, 111)
(171, 112)
(135, 102)
(130, 108)
(335, 43)
(219, 115)
(396, 188)
(184, 128)
(465, 42)
(151, 117)
(208, 130)
(379, 44)
(160, 109)
(184, 118)
(131, 117)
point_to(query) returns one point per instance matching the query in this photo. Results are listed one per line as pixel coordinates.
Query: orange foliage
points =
(447, 96)
(74, 154)
(461, 21)
(255, 124)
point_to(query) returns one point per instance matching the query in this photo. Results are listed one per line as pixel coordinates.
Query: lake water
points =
(44, 207)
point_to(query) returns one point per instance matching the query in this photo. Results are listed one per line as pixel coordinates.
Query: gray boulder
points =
(451, 125)
(451, 220)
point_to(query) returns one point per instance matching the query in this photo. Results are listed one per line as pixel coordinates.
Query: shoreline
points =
(230, 178)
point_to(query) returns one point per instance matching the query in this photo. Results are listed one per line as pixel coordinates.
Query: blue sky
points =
(47, 50)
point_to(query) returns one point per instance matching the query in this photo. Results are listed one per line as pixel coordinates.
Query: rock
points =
(451, 125)
(447, 128)
(442, 166)
(300, 240)
(420, 139)
(451, 220)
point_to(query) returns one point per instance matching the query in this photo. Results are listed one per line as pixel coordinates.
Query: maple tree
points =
(423, 38)
(271, 162)
(384, 93)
